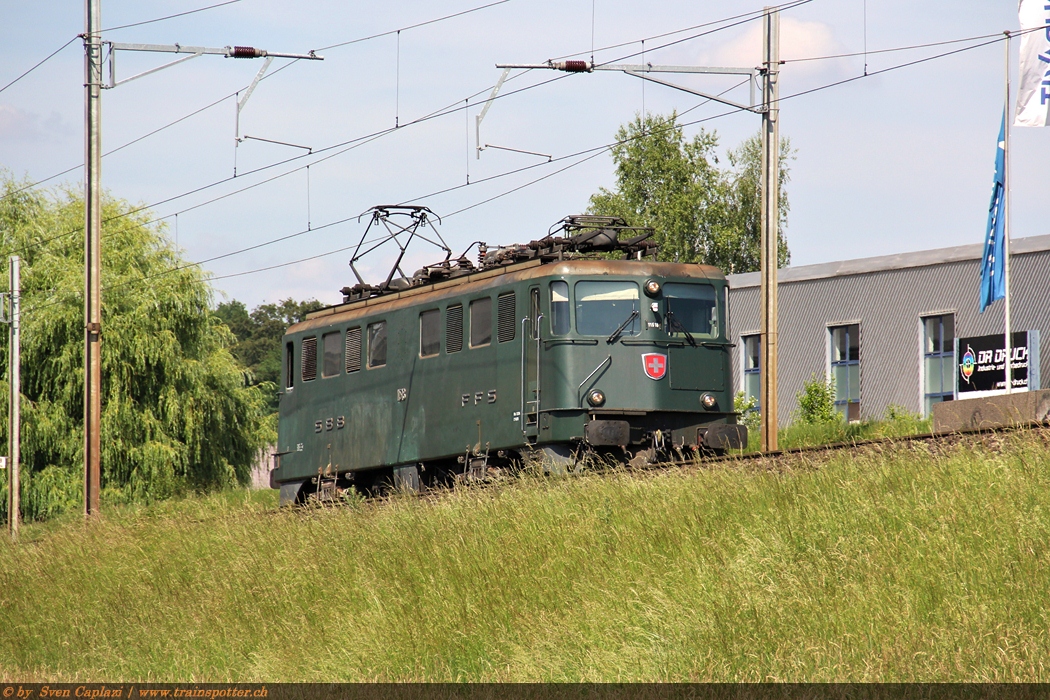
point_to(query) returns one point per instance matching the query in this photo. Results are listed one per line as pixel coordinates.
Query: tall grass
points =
(898, 563)
(800, 434)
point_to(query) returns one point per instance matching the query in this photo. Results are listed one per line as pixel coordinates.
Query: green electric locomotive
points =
(539, 352)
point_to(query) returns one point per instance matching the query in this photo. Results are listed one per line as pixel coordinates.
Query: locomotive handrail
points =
(657, 343)
(548, 344)
(579, 399)
(539, 347)
(524, 378)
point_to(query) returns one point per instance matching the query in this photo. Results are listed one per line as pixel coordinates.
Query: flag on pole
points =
(1033, 94)
(993, 279)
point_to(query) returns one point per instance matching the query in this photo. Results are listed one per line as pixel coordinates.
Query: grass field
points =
(899, 563)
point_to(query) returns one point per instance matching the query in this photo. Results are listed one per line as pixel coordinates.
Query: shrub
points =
(816, 401)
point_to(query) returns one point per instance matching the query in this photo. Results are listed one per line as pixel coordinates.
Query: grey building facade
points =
(884, 327)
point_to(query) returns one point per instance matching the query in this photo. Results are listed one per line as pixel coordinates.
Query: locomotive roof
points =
(490, 278)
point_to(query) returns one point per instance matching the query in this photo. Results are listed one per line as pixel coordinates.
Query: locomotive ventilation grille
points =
(353, 349)
(454, 328)
(505, 318)
(309, 358)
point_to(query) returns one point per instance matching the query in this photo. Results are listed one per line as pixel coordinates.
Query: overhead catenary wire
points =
(596, 151)
(178, 14)
(40, 63)
(593, 152)
(233, 94)
(370, 137)
(411, 26)
(754, 14)
(435, 114)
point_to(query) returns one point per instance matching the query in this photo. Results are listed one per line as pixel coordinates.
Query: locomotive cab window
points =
(377, 344)
(333, 353)
(559, 308)
(691, 308)
(603, 307)
(480, 322)
(430, 333)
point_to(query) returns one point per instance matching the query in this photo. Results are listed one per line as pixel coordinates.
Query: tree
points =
(176, 413)
(259, 336)
(700, 212)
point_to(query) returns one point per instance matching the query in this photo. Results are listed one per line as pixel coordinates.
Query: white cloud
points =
(18, 125)
(798, 39)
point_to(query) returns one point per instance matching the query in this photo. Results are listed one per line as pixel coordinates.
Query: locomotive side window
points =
(310, 358)
(377, 344)
(333, 353)
(602, 307)
(289, 365)
(505, 304)
(480, 322)
(430, 333)
(353, 350)
(454, 329)
(692, 307)
(559, 308)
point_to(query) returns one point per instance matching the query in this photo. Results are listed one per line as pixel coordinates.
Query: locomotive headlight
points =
(596, 398)
(652, 288)
(709, 401)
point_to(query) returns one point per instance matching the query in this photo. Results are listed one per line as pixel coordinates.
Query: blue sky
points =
(893, 162)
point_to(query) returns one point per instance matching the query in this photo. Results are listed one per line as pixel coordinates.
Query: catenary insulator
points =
(574, 66)
(246, 52)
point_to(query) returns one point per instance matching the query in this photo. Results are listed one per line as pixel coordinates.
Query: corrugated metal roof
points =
(882, 263)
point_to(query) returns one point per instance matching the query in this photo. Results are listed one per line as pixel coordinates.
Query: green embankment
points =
(889, 563)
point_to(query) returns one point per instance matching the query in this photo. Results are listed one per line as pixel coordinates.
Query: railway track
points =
(809, 457)
(990, 437)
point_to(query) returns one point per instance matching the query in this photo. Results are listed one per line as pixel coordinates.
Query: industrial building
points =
(885, 327)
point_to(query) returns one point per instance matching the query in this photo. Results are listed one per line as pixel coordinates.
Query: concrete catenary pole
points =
(770, 224)
(92, 252)
(14, 413)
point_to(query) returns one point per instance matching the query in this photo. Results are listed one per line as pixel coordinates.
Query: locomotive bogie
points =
(475, 372)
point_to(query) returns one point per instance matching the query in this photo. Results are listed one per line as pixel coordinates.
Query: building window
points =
(333, 353)
(377, 344)
(480, 322)
(845, 369)
(753, 369)
(430, 333)
(938, 354)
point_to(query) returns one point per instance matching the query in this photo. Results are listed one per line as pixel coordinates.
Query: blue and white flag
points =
(993, 279)
(1033, 94)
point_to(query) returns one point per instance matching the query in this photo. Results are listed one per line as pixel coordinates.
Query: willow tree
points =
(700, 210)
(177, 411)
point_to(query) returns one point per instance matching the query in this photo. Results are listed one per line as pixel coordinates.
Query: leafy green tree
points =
(700, 211)
(176, 413)
(259, 336)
